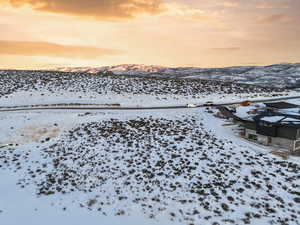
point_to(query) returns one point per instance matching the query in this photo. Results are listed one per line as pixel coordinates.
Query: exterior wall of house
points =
(291, 145)
(287, 132)
(252, 135)
(283, 142)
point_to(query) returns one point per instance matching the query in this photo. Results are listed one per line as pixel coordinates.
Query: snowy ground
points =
(166, 167)
(155, 167)
(23, 98)
(40, 87)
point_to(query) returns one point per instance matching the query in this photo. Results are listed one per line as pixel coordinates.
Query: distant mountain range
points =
(279, 75)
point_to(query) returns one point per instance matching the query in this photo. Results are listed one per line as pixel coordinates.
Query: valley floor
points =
(162, 167)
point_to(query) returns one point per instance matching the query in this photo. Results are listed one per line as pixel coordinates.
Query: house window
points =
(298, 133)
(264, 124)
(297, 144)
(252, 137)
(269, 140)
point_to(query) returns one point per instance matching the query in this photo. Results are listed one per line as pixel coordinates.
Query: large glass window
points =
(297, 144)
(252, 137)
(298, 133)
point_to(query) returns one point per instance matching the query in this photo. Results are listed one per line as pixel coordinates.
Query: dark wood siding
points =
(249, 125)
(287, 132)
(273, 131)
(266, 130)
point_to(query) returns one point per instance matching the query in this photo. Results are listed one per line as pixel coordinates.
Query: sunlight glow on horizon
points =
(173, 33)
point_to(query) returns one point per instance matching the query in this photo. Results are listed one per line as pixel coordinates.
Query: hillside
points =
(151, 167)
(33, 87)
(279, 75)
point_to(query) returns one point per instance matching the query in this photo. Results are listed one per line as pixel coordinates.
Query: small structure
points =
(246, 103)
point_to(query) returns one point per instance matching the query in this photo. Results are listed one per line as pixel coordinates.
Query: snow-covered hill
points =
(280, 75)
(155, 167)
(44, 87)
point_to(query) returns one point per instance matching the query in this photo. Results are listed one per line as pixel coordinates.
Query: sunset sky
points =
(205, 33)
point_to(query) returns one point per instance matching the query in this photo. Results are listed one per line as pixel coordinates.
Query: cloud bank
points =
(99, 9)
(30, 48)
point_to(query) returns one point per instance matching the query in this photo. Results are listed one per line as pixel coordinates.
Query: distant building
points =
(274, 130)
(278, 125)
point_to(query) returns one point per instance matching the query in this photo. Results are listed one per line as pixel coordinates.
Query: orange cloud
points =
(231, 4)
(226, 49)
(270, 20)
(28, 48)
(271, 6)
(183, 11)
(99, 9)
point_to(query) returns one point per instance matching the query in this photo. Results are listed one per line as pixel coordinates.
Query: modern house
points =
(274, 130)
(277, 124)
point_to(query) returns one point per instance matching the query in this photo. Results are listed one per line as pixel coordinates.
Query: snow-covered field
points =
(153, 167)
(41, 87)
(168, 167)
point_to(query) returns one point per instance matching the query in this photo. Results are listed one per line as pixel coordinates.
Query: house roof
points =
(281, 105)
(274, 118)
(278, 120)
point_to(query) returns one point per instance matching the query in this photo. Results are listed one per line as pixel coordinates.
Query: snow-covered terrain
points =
(150, 168)
(279, 75)
(38, 87)
(155, 167)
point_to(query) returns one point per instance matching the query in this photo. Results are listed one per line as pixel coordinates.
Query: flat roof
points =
(281, 105)
(279, 120)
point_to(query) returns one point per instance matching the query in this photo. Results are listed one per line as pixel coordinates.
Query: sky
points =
(38, 34)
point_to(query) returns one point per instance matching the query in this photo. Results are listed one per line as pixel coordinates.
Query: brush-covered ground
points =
(165, 167)
(38, 87)
(152, 167)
